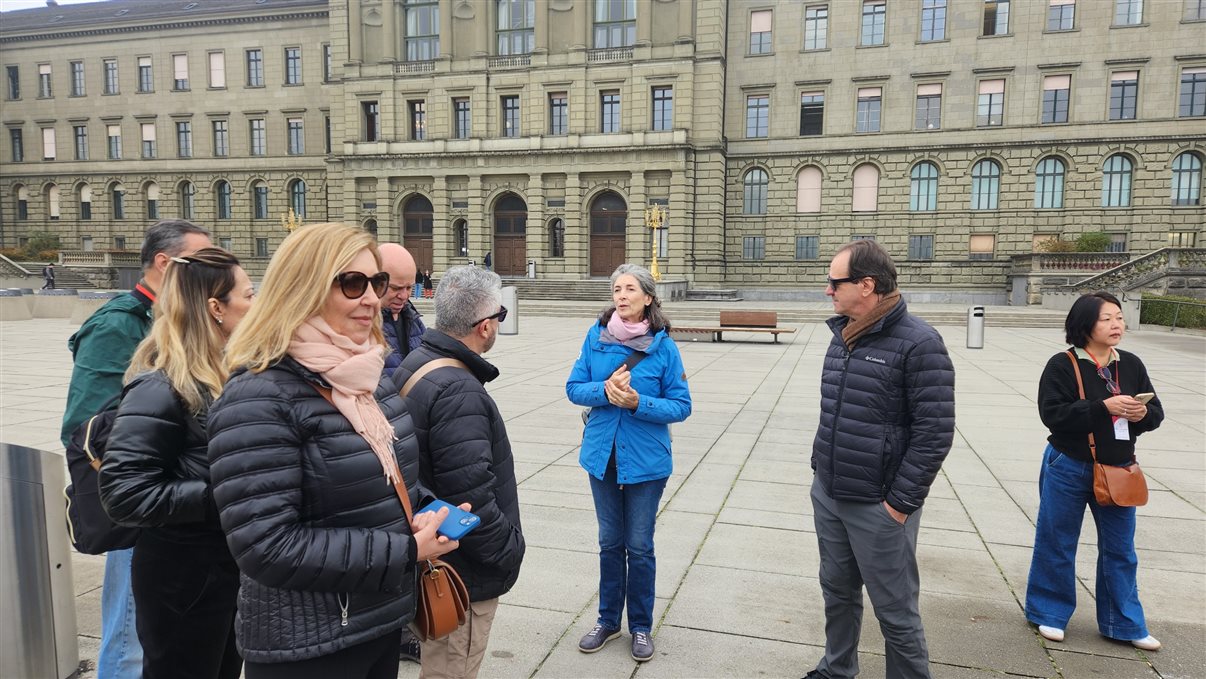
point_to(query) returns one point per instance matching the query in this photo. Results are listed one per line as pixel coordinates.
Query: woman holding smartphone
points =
(1118, 405)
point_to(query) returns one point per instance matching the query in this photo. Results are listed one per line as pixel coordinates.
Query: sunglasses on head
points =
(501, 315)
(353, 283)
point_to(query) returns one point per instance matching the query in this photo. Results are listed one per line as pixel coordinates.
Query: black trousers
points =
(376, 659)
(185, 597)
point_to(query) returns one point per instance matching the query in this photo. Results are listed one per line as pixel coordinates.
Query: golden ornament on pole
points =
(290, 221)
(655, 216)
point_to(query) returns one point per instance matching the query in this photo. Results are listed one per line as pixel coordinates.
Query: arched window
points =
(259, 200)
(1116, 181)
(866, 188)
(808, 190)
(1049, 183)
(417, 216)
(53, 205)
(755, 182)
(117, 196)
(222, 198)
(557, 238)
(297, 197)
(371, 226)
(923, 187)
(986, 185)
(188, 200)
(1187, 179)
(461, 230)
(152, 193)
(85, 201)
(22, 202)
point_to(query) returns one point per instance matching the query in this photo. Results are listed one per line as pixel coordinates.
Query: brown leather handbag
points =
(1113, 486)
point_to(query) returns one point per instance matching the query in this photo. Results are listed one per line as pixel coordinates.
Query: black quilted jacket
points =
(887, 412)
(325, 555)
(465, 457)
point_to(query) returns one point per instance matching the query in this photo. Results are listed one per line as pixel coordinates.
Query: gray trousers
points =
(861, 544)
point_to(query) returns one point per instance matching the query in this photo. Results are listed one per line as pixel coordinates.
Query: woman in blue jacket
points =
(630, 376)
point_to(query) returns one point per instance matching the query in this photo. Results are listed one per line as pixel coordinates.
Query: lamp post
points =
(290, 221)
(655, 216)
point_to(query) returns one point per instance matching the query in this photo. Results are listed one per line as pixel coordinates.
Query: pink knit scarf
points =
(623, 330)
(353, 371)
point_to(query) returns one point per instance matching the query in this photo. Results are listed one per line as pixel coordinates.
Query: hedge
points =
(1154, 313)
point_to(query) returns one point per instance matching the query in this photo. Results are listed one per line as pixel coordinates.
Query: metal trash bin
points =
(36, 588)
(510, 301)
(975, 327)
(531, 268)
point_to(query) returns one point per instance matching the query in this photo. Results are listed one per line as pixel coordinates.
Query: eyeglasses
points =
(835, 282)
(1104, 373)
(353, 283)
(501, 316)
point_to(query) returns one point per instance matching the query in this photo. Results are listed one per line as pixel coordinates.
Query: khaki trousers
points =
(459, 655)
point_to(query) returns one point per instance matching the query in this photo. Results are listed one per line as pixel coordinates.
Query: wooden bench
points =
(740, 321)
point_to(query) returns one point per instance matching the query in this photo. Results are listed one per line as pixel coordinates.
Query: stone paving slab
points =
(737, 588)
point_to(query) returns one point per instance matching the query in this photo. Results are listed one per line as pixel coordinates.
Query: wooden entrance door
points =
(608, 221)
(417, 224)
(510, 236)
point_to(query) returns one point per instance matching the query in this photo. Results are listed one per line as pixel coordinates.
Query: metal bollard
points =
(510, 301)
(975, 327)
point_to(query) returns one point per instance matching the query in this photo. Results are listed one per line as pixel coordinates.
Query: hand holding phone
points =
(457, 524)
(1145, 397)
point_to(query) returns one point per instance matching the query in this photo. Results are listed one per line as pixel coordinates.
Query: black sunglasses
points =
(353, 283)
(835, 282)
(501, 316)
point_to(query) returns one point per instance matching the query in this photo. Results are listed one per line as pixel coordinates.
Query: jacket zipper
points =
(837, 413)
(344, 600)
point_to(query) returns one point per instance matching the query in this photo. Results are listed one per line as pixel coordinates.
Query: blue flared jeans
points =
(627, 568)
(1065, 488)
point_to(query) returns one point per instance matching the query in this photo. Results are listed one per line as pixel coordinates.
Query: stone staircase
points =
(589, 290)
(10, 269)
(1164, 271)
(64, 277)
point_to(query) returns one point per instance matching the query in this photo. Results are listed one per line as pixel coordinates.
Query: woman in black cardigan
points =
(1114, 416)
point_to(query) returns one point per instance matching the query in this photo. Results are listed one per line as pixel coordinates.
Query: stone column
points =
(542, 27)
(583, 17)
(351, 200)
(577, 229)
(537, 238)
(636, 238)
(389, 33)
(644, 21)
(485, 33)
(679, 218)
(479, 239)
(445, 29)
(355, 37)
(441, 227)
(387, 221)
(686, 20)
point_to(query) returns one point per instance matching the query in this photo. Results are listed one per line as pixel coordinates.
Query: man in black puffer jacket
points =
(887, 421)
(464, 455)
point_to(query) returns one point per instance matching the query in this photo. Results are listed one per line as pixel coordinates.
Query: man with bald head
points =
(403, 323)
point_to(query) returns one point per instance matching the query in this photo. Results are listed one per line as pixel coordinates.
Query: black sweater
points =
(1071, 418)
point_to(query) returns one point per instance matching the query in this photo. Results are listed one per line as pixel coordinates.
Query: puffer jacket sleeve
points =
(930, 390)
(461, 459)
(673, 404)
(581, 388)
(138, 486)
(255, 453)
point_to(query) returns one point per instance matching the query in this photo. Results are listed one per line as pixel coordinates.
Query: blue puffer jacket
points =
(410, 323)
(642, 437)
(887, 412)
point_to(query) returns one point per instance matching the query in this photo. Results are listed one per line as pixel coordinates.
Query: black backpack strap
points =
(633, 359)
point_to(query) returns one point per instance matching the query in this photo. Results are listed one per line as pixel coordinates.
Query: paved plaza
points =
(737, 560)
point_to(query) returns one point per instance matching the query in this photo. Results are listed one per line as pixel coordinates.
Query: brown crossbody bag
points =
(1112, 485)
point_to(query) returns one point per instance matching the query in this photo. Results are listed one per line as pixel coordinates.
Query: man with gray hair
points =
(464, 455)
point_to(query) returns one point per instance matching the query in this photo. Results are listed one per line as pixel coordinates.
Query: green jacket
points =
(101, 350)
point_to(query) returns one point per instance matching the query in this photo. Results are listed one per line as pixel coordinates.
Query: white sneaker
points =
(1147, 643)
(1055, 633)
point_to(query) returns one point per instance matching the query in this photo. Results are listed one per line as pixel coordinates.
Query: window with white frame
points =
(933, 20)
(990, 106)
(929, 107)
(812, 113)
(761, 31)
(1061, 15)
(1128, 12)
(868, 109)
(1124, 95)
(418, 119)
(874, 19)
(816, 27)
(1057, 91)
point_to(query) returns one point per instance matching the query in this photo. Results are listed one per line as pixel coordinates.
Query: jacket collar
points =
(838, 323)
(408, 312)
(596, 332)
(443, 344)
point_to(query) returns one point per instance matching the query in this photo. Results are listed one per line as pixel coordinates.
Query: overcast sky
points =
(6, 5)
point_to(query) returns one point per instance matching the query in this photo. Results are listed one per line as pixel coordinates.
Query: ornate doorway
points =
(510, 236)
(416, 230)
(608, 221)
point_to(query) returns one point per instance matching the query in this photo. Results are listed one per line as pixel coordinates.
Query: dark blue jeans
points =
(627, 569)
(1065, 487)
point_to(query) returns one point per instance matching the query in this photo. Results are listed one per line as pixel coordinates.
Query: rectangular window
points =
(48, 143)
(370, 116)
(223, 205)
(259, 202)
(327, 69)
(297, 137)
(615, 23)
(663, 108)
(326, 133)
(757, 116)
(609, 112)
(80, 136)
(990, 107)
(119, 203)
(996, 17)
(875, 13)
(933, 20)
(86, 213)
(1195, 10)
(761, 22)
(510, 115)
(225, 243)
(753, 247)
(221, 138)
(86, 244)
(77, 79)
(418, 120)
(516, 26)
(812, 113)
(261, 247)
(868, 111)
(1061, 15)
(45, 88)
(259, 137)
(110, 76)
(184, 139)
(422, 30)
(146, 75)
(148, 140)
(1128, 12)
(806, 247)
(1193, 93)
(113, 141)
(1056, 95)
(1182, 239)
(180, 72)
(16, 143)
(12, 89)
(1124, 95)
(462, 119)
(293, 66)
(929, 107)
(255, 68)
(921, 247)
(816, 27)
(217, 70)
(558, 113)
(1117, 243)
(981, 246)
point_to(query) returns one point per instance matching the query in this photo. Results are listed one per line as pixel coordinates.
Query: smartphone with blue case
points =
(457, 524)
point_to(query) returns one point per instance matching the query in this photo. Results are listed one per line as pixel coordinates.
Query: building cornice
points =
(161, 26)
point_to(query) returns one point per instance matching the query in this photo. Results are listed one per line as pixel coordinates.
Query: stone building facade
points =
(957, 132)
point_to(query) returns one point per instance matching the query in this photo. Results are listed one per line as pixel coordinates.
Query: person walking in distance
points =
(48, 276)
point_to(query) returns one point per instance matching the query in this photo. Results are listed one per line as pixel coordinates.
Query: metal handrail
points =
(1176, 310)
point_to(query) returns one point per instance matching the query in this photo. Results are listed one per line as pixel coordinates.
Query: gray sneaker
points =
(597, 638)
(642, 646)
